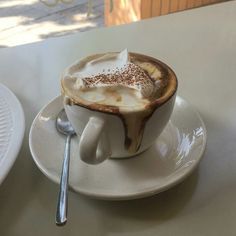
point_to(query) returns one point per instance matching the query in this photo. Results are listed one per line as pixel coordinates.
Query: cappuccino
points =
(128, 85)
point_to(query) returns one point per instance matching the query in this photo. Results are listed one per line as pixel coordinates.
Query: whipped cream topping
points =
(115, 69)
(105, 64)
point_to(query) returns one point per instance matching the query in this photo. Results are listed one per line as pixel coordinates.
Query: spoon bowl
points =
(63, 125)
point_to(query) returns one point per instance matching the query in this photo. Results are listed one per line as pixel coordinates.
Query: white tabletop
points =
(200, 45)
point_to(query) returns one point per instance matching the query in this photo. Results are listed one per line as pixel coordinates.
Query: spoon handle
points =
(61, 214)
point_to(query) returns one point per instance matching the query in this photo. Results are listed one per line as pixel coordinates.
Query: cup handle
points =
(94, 147)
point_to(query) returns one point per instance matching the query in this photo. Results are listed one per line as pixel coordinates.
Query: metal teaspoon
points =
(63, 126)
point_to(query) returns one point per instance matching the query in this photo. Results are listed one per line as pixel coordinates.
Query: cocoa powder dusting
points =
(130, 76)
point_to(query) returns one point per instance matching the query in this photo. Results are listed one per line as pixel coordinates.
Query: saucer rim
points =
(137, 195)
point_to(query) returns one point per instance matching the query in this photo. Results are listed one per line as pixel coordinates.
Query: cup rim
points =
(171, 91)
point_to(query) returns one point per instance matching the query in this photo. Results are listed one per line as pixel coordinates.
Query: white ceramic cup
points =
(102, 134)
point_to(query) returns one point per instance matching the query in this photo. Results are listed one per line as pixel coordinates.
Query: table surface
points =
(200, 45)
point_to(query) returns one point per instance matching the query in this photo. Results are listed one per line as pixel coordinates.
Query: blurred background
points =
(29, 21)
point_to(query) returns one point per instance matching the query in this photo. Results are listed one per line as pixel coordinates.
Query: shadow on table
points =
(14, 196)
(148, 211)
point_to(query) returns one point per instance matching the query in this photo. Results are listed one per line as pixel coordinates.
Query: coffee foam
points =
(112, 79)
(100, 64)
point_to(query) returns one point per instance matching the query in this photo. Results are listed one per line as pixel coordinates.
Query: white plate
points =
(174, 155)
(12, 128)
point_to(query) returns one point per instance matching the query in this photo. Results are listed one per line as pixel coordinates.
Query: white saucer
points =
(172, 158)
(12, 128)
